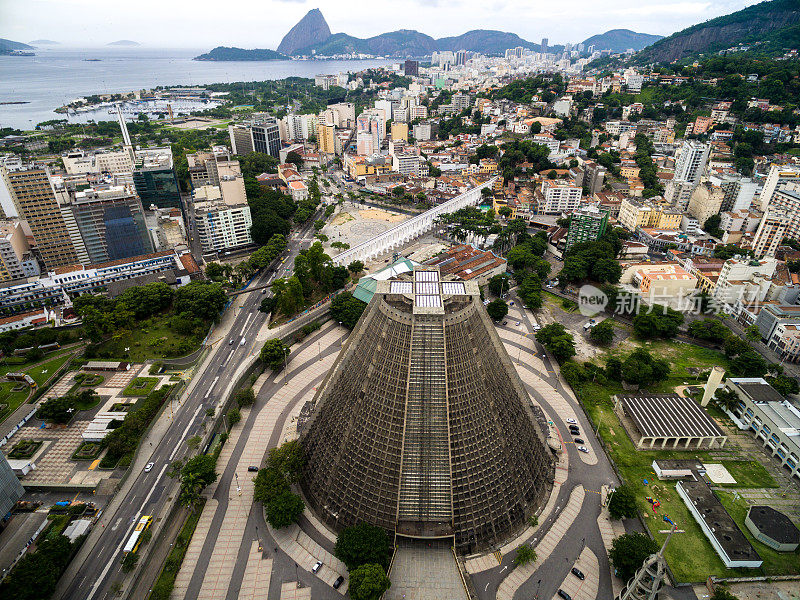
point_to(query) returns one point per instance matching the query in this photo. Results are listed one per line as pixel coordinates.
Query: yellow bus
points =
(136, 537)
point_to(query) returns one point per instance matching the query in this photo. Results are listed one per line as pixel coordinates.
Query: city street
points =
(150, 493)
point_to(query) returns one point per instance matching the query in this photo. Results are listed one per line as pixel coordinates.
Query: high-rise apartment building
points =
(706, 201)
(586, 225)
(220, 225)
(770, 232)
(35, 201)
(559, 197)
(112, 224)
(326, 137)
(778, 176)
(411, 68)
(594, 176)
(545, 41)
(787, 198)
(692, 161)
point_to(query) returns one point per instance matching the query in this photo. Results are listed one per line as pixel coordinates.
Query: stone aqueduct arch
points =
(404, 232)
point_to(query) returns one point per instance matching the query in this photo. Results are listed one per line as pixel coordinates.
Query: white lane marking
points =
(116, 524)
(229, 357)
(185, 431)
(100, 579)
(211, 387)
(246, 322)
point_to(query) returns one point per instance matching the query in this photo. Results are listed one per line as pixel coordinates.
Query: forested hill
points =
(770, 26)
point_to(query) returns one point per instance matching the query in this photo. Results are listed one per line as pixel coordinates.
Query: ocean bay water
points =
(55, 77)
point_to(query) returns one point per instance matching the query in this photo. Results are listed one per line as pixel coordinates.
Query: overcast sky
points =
(262, 23)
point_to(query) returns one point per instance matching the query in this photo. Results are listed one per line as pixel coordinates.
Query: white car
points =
(242, 343)
(317, 566)
(149, 467)
(583, 449)
(572, 421)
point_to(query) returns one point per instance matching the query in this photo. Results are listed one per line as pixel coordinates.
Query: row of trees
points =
(366, 552)
(272, 484)
(193, 306)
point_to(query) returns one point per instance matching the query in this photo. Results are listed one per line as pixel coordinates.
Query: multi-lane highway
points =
(98, 566)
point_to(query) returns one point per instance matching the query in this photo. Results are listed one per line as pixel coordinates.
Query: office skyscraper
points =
(112, 225)
(36, 203)
(544, 44)
(423, 426)
(155, 179)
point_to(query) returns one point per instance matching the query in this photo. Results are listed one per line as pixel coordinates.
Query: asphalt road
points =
(551, 572)
(151, 490)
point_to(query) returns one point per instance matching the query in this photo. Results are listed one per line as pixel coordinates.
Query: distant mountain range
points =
(620, 40)
(123, 43)
(771, 27)
(9, 47)
(45, 43)
(312, 36)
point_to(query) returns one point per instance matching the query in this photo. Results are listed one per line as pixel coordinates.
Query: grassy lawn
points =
(140, 386)
(40, 373)
(10, 398)
(166, 580)
(636, 466)
(749, 474)
(153, 340)
(775, 563)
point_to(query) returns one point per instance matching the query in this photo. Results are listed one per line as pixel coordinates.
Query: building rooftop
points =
(718, 522)
(669, 415)
(774, 524)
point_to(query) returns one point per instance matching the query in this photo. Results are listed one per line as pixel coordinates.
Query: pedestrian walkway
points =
(610, 529)
(291, 591)
(193, 552)
(220, 567)
(583, 589)
(545, 547)
(306, 552)
(255, 583)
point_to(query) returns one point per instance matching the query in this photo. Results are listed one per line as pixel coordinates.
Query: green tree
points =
(355, 267)
(708, 329)
(658, 322)
(202, 299)
(557, 340)
(641, 369)
(129, 562)
(497, 309)
(274, 353)
(629, 551)
(749, 364)
(267, 304)
(603, 332)
(725, 398)
(234, 416)
(721, 593)
(346, 309)
(288, 460)
(784, 384)
(363, 544)
(196, 474)
(752, 333)
(295, 159)
(57, 410)
(268, 484)
(500, 284)
(504, 211)
(525, 554)
(245, 397)
(623, 503)
(284, 509)
(368, 582)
